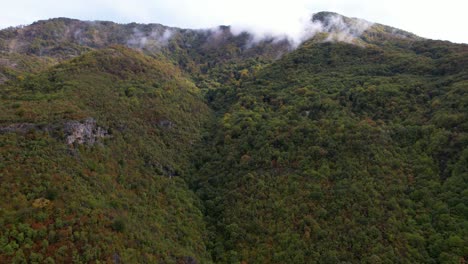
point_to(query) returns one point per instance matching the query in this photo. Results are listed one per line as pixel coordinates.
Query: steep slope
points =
(342, 153)
(351, 148)
(92, 159)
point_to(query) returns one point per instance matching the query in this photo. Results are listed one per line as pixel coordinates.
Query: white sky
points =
(446, 20)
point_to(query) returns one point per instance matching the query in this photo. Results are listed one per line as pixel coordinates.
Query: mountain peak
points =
(322, 15)
(357, 30)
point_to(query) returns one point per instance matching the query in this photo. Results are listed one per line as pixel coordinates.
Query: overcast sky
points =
(446, 20)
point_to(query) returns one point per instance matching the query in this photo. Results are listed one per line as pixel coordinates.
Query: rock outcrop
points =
(18, 128)
(80, 132)
(165, 123)
(84, 132)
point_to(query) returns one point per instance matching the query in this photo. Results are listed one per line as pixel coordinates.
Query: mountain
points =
(340, 153)
(99, 145)
(195, 51)
(151, 144)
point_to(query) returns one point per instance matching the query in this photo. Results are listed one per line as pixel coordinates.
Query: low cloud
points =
(154, 39)
(342, 31)
(337, 28)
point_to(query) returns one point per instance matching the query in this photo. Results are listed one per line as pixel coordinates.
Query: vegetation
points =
(338, 153)
(117, 199)
(207, 150)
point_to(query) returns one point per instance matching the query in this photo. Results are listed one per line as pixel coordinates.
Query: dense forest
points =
(150, 144)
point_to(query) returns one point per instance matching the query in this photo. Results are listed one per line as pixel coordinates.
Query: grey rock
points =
(165, 123)
(84, 132)
(80, 132)
(18, 128)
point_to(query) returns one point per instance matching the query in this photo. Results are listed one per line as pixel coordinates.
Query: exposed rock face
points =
(84, 132)
(81, 132)
(18, 128)
(165, 123)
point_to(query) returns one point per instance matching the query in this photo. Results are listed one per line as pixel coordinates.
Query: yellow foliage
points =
(41, 203)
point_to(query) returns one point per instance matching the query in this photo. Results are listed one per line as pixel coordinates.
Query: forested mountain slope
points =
(92, 154)
(150, 144)
(340, 153)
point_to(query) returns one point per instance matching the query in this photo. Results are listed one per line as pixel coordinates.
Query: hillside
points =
(150, 144)
(340, 153)
(92, 155)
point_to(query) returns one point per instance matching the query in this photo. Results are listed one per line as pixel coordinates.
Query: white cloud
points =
(429, 18)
